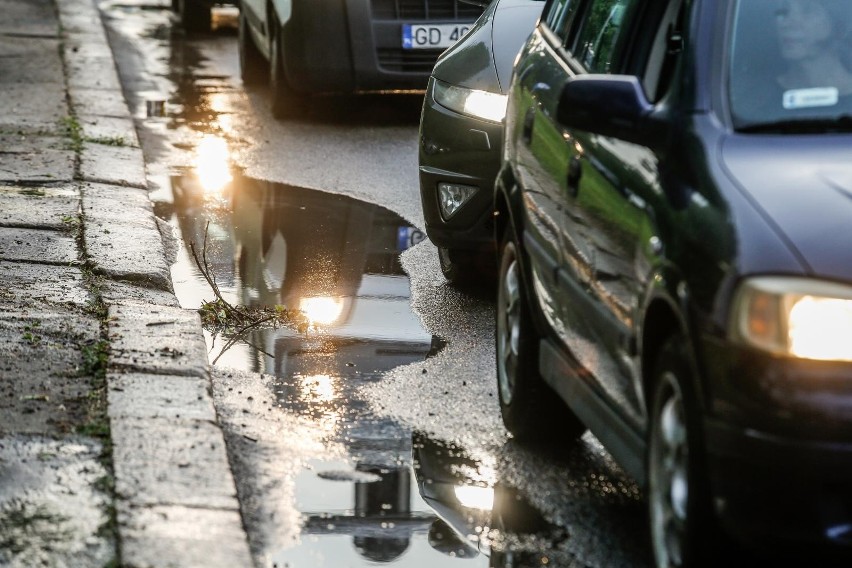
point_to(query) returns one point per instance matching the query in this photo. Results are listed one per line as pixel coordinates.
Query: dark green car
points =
(674, 214)
(461, 134)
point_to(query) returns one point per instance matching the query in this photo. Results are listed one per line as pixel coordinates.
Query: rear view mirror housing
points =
(609, 105)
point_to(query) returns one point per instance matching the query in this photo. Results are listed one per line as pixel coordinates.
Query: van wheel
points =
(678, 493)
(286, 103)
(530, 409)
(195, 16)
(253, 67)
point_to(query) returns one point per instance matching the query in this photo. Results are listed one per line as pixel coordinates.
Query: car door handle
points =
(575, 172)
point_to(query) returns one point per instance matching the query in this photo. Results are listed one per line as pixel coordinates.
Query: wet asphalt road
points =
(377, 438)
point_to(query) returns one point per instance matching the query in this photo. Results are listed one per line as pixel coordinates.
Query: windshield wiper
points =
(841, 123)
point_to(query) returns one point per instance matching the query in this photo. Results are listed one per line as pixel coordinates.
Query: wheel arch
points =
(665, 316)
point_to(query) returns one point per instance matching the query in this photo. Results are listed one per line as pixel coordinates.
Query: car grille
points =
(411, 10)
(408, 60)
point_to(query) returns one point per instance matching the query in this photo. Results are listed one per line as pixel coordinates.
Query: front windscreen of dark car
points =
(791, 66)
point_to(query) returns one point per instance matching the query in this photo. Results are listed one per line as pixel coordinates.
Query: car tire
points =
(679, 509)
(531, 411)
(253, 67)
(195, 16)
(286, 103)
(455, 265)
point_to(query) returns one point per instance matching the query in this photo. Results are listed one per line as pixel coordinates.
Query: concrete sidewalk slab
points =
(32, 111)
(157, 339)
(113, 165)
(39, 207)
(30, 61)
(122, 238)
(35, 159)
(171, 462)
(137, 395)
(64, 528)
(45, 387)
(177, 537)
(23, 18)
(41, 286)
(36, 245)
(108, 130)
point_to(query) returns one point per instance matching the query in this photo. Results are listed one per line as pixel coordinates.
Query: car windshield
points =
(791, 66)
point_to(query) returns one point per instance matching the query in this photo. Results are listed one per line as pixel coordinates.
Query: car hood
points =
(804, 185)
(483, 59)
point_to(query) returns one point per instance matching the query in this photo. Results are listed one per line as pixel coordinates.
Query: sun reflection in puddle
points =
(212, 164)
(321, 310)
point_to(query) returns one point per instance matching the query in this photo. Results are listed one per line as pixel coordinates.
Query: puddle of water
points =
(331, 256)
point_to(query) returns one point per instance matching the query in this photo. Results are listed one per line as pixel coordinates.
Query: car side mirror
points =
(609, 105)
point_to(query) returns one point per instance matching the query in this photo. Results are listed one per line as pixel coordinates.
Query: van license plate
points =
(435, 36)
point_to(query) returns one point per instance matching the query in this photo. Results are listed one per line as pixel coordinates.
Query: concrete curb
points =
(176, 497)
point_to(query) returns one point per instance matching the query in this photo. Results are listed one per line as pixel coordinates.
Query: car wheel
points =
(530, 409)
(195, 16)
(253, 67)
(286, 103)
(678, 495)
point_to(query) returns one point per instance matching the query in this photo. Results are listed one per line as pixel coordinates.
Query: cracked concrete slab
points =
(32, 110)
(35, 245)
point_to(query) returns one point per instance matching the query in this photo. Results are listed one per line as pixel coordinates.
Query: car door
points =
(540, 151)
(611, 198)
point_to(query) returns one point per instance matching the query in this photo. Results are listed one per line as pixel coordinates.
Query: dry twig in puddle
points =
(235, 322)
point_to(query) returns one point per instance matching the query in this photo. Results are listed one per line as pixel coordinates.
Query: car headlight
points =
(795, 317)
(470, 102)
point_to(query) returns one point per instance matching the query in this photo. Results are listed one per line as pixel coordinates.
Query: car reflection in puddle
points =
(477, 513)
(337, 259)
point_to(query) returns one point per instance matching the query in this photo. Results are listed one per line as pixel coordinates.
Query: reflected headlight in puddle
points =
(321, 310)
(474, 497)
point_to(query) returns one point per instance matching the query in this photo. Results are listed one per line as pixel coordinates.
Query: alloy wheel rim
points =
(668, 479)
(508, 330)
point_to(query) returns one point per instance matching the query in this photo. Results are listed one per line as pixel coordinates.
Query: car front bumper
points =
(346, 46)
(462, 150)
(779, 449)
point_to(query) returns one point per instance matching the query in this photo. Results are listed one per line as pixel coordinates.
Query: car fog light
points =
(453, 196)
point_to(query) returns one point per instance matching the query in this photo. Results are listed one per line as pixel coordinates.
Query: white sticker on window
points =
(808, 98)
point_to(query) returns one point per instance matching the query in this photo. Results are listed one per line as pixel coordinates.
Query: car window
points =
(665, 50)
(602, 33)
(791, 64)
(559, 16)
